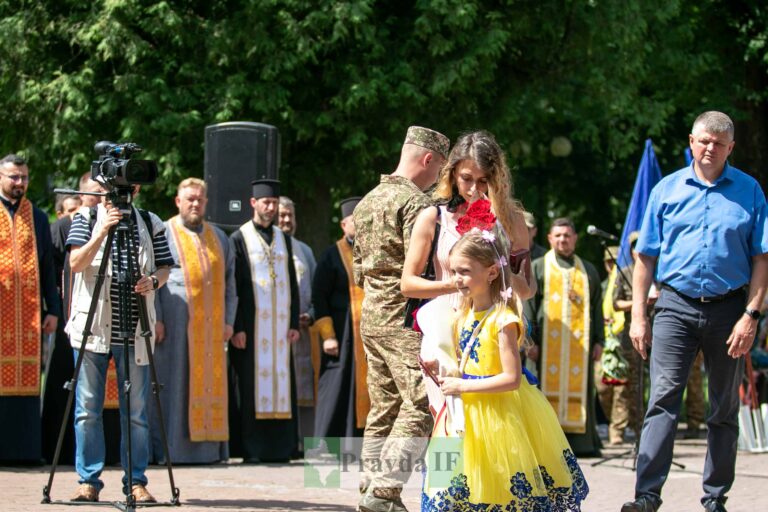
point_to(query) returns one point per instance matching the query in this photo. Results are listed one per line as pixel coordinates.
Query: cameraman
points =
(152, 259)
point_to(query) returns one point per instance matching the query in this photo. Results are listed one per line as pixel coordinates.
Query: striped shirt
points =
(80, 234)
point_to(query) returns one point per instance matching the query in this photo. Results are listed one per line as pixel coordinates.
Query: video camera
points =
(115, 169)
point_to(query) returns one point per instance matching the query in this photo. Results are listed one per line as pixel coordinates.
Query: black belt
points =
(716, 298)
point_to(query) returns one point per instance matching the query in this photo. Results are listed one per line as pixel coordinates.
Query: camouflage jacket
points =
(383, 222)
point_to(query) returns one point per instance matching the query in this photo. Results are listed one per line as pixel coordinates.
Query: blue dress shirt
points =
(705, 236)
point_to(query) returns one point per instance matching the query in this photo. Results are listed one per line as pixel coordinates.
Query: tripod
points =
(125, 277)
(639, 396)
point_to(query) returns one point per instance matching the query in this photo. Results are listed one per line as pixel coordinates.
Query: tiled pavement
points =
(233, 486)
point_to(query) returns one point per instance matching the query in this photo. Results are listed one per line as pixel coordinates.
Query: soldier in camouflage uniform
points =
(399, 410)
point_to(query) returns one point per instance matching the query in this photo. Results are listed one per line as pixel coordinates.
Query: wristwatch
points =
(155, 282)
(753, 313)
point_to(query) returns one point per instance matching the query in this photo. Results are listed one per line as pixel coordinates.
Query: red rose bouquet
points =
(478, 216)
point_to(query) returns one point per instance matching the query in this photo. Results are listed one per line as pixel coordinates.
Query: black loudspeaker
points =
(235, 154)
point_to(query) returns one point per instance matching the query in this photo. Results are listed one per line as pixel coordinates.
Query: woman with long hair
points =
(476, 167)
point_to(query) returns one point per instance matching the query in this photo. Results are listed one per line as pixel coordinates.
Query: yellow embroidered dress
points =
(516, 457)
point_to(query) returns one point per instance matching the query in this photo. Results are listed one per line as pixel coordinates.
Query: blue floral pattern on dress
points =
(464, 338)
(456, 498)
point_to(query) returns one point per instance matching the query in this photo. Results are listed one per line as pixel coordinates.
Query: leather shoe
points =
(86, 492)
(713, 505)
(141, 494)
(642, 504)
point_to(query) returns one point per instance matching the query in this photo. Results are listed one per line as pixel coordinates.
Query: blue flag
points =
(648, 175)
(688, 156)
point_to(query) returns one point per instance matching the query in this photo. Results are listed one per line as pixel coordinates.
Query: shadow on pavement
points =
(267, 505)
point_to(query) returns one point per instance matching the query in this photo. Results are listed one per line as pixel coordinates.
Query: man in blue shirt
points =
(705, 236)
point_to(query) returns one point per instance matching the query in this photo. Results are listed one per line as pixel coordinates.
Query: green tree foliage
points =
(343, 79)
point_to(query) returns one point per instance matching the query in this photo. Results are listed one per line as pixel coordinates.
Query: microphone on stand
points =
(592, 230)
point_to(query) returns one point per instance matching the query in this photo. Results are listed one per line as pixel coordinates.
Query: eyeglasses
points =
(16, 177)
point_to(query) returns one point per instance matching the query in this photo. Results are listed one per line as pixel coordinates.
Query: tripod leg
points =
(72, 384)
(124, 334)
(127, 422)
(156, 388)
(146, 334)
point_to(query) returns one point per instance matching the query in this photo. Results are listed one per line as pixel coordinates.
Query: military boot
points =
(382, 500)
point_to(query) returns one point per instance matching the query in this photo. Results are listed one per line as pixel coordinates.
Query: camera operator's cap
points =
(265, 187)
(428, 139)
(348, 206)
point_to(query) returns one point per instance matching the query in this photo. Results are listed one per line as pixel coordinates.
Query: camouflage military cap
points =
(429, 139)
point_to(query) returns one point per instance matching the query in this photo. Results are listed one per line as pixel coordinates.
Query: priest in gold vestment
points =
(196, 312)
(29, 306)
(567, 319)
(342, 392)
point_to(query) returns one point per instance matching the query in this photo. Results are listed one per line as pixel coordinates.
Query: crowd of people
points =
(257, 344)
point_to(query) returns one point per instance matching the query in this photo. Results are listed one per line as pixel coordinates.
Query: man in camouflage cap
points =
(428, 139)
(399, 412)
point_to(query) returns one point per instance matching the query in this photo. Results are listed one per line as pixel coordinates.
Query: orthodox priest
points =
(302, 350)
(29, 306)
(61, 364)
(568, 331)
(195, 315)
(266, 325)
(342, 390)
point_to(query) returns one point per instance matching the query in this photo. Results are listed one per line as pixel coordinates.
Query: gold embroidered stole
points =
(20, 303)
(202, 261)
(111, 388)
(272, 297)
(565, 342)
(362, 400)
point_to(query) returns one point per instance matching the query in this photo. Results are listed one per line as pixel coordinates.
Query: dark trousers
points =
(681, 328)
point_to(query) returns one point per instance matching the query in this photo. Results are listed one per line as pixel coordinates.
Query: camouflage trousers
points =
(399, 421)
(696, 409)
(619, 402)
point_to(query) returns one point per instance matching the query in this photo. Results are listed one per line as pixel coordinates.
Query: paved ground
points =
(227, 487)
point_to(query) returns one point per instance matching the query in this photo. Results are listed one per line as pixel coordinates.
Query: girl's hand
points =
(451, 385)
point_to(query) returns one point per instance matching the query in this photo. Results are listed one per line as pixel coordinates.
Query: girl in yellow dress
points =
(515, 455)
